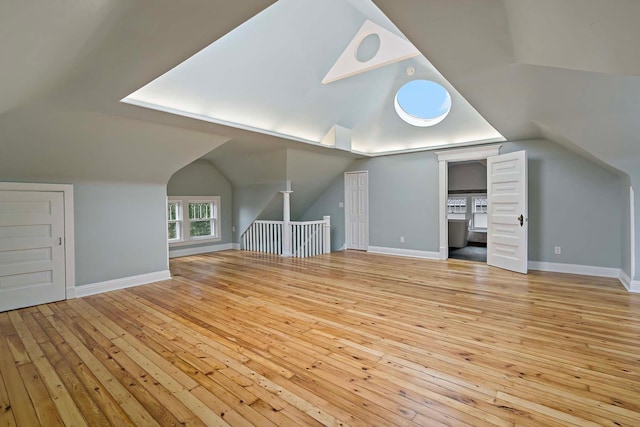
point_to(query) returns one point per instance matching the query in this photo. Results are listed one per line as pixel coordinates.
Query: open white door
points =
(32, 251)
(508, 211)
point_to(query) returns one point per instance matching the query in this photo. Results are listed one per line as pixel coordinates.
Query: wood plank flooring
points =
(346, 339)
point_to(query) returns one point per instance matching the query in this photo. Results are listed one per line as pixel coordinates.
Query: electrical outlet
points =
(558, 250)
(401, 239)
(341, 205)
(233, 229)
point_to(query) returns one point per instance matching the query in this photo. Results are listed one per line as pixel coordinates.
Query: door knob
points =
(521, 219)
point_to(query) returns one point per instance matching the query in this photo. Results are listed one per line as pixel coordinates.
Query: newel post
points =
(327, 234)
(286, 226)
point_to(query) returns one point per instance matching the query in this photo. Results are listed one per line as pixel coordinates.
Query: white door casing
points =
(357, 210)
(455, 155)
(507, 230)
(33, 237)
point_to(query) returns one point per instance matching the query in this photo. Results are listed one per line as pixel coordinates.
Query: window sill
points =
(193, 242)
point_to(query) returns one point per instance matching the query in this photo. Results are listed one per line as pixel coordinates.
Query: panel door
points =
(357, 194)
(507, 228)
(32, 258)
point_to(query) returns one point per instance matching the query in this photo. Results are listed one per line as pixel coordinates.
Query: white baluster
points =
(305, 240)
(258, 239)
(277, 237)
(313, 240)
(327, 234)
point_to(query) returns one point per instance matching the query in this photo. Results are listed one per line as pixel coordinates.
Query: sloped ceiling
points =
(561, 69)
(599, 36)
(306, 170)
(66, 65)
(267, 75)
(40, 40)
(532, 68)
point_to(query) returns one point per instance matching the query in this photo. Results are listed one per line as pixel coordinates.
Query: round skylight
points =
(422, 103)
(368, 48)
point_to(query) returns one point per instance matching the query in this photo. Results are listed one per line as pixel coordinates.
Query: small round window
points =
(422, 103)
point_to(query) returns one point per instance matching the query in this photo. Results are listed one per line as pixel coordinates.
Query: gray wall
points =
(329, 204)
(258, 177)
(119, 228)
(311, 173)
(625, 247)
(635, 182)
(636, 188)
(403, 201)
(467, 176)
(573, 203)
(201, 178)
(249, 201)
(120, 231)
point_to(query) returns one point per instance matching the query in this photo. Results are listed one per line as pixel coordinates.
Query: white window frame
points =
(177, 221)
(184, 223)
(457, 205)
(474, 211)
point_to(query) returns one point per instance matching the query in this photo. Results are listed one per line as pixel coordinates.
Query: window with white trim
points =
(174, 218)
(193, 219)
(479, 217)
(457, 207)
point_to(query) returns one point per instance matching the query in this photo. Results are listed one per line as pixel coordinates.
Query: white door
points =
(507, 211)
(32, 259)
(357, 207)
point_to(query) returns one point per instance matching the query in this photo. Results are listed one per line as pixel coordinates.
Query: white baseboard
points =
(630, 285)
(412, 253)
(125, 282)
(235, 246)
(176, 253)
(586, 270)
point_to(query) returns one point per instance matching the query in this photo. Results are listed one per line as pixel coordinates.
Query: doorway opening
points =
(461, 156)
(467, 210)
(507, 206)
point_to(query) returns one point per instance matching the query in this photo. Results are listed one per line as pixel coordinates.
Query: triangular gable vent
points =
(392, 49)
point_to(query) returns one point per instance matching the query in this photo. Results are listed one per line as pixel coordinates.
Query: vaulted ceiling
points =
(567, 70)
(293, 71)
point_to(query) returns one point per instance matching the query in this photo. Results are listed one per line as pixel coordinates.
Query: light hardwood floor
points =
(348, 338)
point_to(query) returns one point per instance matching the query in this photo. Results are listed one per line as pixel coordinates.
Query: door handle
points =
(59, 241)
(521, 219)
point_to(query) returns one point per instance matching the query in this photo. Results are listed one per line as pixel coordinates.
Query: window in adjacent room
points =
(174, 218)
(479, 217)
(193, 219)
(457, 207)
